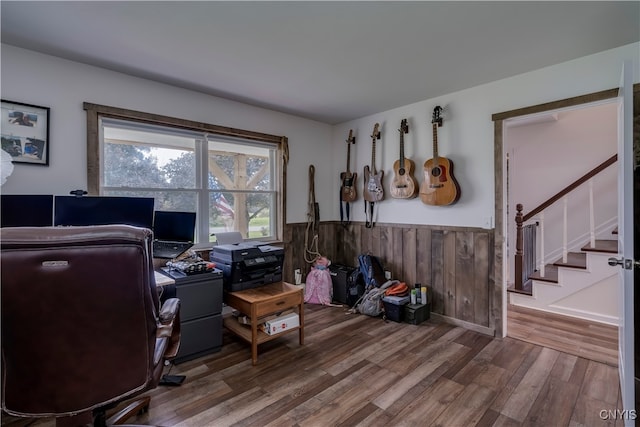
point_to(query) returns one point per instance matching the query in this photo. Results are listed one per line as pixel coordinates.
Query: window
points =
(232, 179)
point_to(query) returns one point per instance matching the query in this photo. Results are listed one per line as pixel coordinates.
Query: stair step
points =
(550, 274)
(526, 289)
(574, 260)
(606, 246)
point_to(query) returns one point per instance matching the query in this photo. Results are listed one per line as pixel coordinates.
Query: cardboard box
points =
(282, 323)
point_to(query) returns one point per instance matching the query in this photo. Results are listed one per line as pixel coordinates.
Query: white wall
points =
(62, 85)
(466, 136)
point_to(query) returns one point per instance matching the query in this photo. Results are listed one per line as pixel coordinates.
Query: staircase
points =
(580, 283)
(583, 286)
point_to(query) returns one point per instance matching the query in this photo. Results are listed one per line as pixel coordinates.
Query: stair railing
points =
(521, 273)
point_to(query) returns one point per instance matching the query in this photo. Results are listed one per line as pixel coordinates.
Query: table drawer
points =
(278, 304)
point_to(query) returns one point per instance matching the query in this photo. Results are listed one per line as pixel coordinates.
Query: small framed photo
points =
(25, 132)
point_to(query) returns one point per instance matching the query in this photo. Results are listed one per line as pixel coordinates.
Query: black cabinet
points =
(200, 312)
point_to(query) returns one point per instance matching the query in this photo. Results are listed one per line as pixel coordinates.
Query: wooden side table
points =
(260, 302)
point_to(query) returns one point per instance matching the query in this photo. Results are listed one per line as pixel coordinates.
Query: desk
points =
(260, 302)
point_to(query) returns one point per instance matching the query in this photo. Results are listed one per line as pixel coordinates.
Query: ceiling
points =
(326, 61)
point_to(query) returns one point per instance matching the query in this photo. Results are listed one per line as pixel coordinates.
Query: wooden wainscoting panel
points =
(455, 263)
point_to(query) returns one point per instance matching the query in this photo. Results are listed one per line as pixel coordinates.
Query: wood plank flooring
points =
(595, 341)
(356, 370)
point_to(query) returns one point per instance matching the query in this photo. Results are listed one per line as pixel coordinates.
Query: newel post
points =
(518, 261)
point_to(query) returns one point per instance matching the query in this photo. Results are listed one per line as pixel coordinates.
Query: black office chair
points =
(82, 329)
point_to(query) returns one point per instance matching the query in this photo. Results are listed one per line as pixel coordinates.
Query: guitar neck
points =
(348, 157)
(435, 143)
(373, 157)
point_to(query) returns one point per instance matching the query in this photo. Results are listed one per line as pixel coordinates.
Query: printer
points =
(248, 265)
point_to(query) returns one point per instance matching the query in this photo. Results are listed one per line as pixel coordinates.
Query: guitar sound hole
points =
(401, 171)
(436, 172)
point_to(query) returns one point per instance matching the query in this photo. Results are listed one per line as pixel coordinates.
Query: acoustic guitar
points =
(348, 191)
(373, 191)
(404, 184)
(439, 187)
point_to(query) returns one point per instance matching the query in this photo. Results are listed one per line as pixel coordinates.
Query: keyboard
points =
(169, 250)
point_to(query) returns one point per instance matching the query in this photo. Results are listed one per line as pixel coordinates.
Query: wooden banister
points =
(521, 218)
(569, 188)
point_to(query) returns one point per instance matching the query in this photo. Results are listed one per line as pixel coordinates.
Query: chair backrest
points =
(79, 311)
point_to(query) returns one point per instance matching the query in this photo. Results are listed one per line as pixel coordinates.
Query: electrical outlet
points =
(387, 274)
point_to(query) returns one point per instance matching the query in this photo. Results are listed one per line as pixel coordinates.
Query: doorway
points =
(500, 296)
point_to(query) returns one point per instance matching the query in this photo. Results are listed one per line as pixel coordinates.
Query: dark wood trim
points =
(569, 188)
(555, 105)
(496, 319)
(123, 113)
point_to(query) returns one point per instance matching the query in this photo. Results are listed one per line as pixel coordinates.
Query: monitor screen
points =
(99, 210)
(26, 210)
(174, 226)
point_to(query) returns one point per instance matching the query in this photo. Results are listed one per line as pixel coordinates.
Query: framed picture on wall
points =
(25, 132)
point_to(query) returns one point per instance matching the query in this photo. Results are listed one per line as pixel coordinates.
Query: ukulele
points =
(373, 191)
(348, 191)
(439, 187)
(404, 184)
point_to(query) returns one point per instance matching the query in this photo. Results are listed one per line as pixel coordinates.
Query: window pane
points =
(231, 183)
(249, 213)
(144, 159)
(235, 166)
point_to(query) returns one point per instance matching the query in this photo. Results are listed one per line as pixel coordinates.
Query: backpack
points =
(371, 302)
(372, 270)
(355, 287)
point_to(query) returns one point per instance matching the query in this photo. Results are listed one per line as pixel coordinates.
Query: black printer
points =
(248, 265)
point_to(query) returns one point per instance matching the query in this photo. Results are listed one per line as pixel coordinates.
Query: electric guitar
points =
(404, 184)
(439, 187)
(373, 191)
(348, 191)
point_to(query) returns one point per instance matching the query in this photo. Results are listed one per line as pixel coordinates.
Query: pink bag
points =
(319, 288)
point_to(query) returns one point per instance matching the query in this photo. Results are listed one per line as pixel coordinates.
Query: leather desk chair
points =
(82, 328)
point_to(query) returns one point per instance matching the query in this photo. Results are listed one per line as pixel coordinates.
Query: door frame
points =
(498, 294)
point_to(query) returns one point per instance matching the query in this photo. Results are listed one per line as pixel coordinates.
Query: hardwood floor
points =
(356, 370)
(594, 341)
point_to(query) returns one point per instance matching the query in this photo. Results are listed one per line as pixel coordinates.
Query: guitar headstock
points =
(376, 132)
(404, 127)
(436, 118)
(351, 139)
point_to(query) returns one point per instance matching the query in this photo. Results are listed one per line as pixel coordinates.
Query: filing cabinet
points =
(200, 311)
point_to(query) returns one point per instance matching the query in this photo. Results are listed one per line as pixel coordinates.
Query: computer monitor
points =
(26, 210)
(174, 226)
(103, 210)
